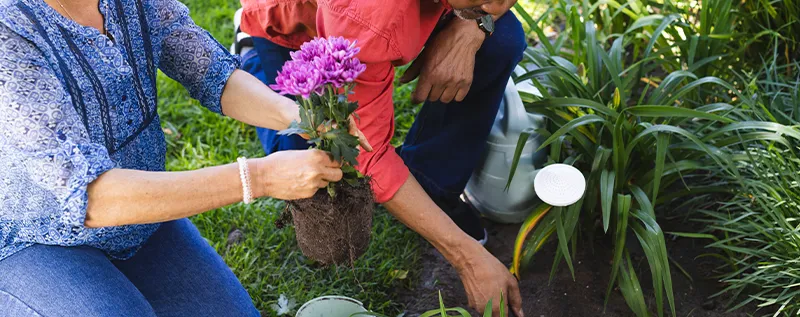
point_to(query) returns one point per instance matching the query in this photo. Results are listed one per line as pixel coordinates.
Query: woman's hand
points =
(292, 175)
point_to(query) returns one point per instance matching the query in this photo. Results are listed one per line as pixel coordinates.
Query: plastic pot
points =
(331, 306)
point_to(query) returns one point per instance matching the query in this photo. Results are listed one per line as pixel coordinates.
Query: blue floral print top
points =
(75, 103)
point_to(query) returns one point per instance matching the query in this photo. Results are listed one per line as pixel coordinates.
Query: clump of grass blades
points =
(758, 228)
(779, 20)
(776, 89)
(635, 135)
(760, 231)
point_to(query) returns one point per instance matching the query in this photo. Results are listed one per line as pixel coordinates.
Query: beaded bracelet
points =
(244, 174)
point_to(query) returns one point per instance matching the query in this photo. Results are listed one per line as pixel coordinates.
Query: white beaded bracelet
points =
(244, 174)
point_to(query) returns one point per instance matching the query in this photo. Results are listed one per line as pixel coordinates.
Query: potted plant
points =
(333, 226)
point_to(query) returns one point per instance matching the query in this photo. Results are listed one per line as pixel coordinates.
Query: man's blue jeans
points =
(447, 141)
(176, 273)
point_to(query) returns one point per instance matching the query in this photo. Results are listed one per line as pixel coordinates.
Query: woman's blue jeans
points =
(176, 273)
(448, 140)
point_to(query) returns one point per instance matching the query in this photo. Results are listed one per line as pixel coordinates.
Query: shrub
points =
(635, 127)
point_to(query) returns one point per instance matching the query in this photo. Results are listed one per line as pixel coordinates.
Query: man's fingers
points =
(449, 94)
(515, 300)
(422, 92)
(362, 139)
(436, 93)
(461, 94)
(322, 184)
(412, 72)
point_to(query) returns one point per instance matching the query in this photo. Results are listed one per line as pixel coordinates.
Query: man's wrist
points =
(471, 33)
(457, 248)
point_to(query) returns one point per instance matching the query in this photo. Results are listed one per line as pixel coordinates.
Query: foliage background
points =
(725, 39)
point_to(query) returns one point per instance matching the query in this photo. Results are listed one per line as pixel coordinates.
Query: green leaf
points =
(502, 304)
(607, 179)
(754, 125)
(645, 21)
(670, 111)
(487, 311)
(523, 138)
(535, 27)
(666, 22)
(694, 235)
(620, 158)
(712, 152)
(662, 142)
(620, 234)
(654, 245)
(563, 238)
(573, 102)
(664, 90)
(571, 125)
(632, 290)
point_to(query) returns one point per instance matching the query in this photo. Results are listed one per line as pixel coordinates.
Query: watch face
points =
(487, 23)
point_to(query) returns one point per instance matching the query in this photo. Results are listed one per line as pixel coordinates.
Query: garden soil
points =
(583, 296)
(334, 230)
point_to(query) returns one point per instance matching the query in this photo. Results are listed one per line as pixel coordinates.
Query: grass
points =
(267, 260)
(759, 228)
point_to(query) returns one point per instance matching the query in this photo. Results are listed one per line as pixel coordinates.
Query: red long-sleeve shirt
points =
(389, 32)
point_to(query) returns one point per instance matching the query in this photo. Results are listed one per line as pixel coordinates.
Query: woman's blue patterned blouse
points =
(75, 103)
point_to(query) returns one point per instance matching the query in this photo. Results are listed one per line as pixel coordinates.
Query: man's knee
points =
(507, 43)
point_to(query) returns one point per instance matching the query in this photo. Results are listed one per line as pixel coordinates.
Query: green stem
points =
(310, 111)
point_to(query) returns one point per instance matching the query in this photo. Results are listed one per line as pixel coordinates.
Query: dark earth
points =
(584, 296)
(334, 230)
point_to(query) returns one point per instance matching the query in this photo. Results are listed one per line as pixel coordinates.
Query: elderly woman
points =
(90, 224)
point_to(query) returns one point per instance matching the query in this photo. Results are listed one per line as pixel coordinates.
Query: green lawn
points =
(267, 260)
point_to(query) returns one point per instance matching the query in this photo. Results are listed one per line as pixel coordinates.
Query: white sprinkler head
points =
(559, 185)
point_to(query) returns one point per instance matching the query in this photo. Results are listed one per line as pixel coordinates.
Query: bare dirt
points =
(584, 296)
(334, 230)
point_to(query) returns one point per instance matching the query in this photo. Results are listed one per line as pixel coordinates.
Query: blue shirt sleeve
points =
(191, 56)
(46, 158)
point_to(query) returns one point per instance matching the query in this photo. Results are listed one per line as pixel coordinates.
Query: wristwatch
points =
(486, 23)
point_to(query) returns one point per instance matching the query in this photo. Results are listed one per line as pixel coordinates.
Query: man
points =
(463, 71)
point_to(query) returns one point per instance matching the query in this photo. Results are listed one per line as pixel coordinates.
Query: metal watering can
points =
(486, 189)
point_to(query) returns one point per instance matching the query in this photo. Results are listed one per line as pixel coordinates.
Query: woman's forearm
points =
(248, 100)
(124, 197)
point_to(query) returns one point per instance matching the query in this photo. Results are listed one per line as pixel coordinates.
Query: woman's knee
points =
(15, 307)
(68, 281)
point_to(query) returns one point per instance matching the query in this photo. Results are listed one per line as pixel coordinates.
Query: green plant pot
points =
(331, 306)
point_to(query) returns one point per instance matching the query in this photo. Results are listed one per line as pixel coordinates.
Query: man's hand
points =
(485, 278)
(353, 130)
(445, 67)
